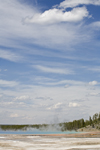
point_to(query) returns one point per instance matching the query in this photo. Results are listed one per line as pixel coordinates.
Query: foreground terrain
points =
(48, 142)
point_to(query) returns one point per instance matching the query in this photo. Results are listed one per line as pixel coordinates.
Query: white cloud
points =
(74, 3)
(15, 34)
(58, 105)
(24, 97)
(94, 69)
(74, 82)
(74, 104)
(93, 83)
(57, 15)
(62, 36)
(53, 70)
(63, 99)
(65, 83)
(14, 115)
(7, 104)
(11, 27)
(11, 56)
(95, 25)
(95, 94)
(6, 83)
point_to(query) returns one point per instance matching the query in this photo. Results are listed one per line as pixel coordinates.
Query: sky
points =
(49, 60)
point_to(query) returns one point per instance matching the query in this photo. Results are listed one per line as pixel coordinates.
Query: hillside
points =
(89, 128)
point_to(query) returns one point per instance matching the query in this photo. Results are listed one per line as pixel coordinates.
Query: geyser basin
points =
(37, 132)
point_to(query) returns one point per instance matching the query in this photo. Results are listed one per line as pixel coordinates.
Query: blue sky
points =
(49, 60)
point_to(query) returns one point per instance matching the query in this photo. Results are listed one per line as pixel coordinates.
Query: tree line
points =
(74, 125)
(22, 127)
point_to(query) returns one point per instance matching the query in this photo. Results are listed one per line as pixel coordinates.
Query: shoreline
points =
(77, 135)
(91, 134)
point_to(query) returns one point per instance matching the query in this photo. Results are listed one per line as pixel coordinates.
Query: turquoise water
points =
(37, 132)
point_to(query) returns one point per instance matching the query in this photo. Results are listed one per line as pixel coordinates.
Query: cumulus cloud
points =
(93, 83)
(74, 3)
(57, 15)
(53, 70)
(74, 104)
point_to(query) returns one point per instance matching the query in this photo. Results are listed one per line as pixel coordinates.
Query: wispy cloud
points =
(94, 69)
(53, 46)
(11, 56)
(55, 82)
(5, 83)
(12, 28)
(93, 83)
(54, 70)
(74, 3)
(16, 34)
(96, 25)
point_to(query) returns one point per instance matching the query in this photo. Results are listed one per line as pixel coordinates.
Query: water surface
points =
(37, 132)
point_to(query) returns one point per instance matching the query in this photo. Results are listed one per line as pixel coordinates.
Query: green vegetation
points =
(22, 127)
(77, 124)
(74, 125)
